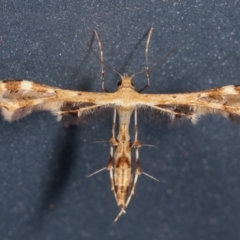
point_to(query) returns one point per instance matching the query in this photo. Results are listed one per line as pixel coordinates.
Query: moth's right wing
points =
(224, 101)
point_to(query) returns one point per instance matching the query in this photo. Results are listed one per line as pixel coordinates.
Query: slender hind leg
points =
(113, 143)
(138, 171)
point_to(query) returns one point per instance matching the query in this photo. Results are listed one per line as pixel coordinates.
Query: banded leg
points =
(113, 143)
(138, 171)
(173, 113)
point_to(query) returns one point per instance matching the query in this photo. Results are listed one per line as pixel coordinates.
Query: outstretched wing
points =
(19, 98)
(224, 101)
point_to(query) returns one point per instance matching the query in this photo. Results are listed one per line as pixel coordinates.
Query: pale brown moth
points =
(18, 98)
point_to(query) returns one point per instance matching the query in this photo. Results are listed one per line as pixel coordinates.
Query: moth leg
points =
(172, 112)
(136, 143)
(119, 215)
(78, 111)
(113, 143)
(138, 171)
(109, 166)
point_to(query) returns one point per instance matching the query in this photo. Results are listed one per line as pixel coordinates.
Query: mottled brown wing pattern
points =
(224, 101)
(19, 98)
(229, 99)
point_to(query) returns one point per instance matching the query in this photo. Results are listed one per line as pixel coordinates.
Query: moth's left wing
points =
(19, 98)
(224, 101)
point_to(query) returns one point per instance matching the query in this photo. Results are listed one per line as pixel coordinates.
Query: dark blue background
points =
(44, 192)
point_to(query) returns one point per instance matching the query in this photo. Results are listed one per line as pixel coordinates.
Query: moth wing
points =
(19, 98)
(224, 101)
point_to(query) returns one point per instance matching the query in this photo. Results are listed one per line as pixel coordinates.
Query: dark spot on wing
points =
(12, 84)
(14, 91)
(178, 116)
(237, 88)
(74, 114)
(213, 99)
(234, 118)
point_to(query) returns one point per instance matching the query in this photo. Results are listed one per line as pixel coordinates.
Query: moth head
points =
(125, 82)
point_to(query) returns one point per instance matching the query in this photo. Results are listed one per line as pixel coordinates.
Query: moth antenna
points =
(119, 215)
(98, 171)
(146, 71)
(146, 50)
(146, 54)
(101, 57)
(108, 67)
(164, 58)
(150, 176)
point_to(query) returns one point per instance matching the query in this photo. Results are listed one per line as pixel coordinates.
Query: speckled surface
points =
(44, 192)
